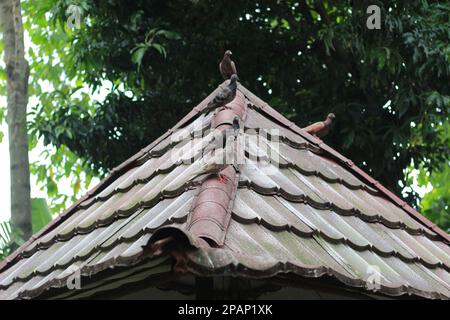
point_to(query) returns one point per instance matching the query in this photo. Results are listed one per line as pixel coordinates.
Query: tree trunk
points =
(17, 71)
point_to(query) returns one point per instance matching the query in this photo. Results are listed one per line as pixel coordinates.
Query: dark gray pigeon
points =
(236, 127)
(226, 95)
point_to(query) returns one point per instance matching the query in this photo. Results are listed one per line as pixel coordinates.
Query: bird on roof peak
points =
(330, 118)
(321, 128)
(227, 66)
(224, 96)
(236, 126)
(234, 78)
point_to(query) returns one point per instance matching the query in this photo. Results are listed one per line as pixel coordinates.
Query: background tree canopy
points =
(389, 88)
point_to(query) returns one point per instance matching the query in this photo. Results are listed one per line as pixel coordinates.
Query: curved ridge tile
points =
(210, 214)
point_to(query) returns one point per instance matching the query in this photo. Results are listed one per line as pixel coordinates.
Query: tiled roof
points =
(310, 213)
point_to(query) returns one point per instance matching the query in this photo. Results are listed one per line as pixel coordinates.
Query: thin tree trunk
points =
(17, 71)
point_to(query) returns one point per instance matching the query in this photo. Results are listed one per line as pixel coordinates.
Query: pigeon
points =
(236, 127)
(321, 128)
(226, 95)
(227, 66)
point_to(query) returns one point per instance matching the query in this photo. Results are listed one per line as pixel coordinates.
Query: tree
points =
(11, 237)
(388, 88)
(17, 72)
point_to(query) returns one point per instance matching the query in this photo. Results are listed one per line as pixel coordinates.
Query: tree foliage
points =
(435, 204)
(389, 87)
(12, 237)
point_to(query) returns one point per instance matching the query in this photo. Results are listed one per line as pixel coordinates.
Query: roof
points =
(293, 206)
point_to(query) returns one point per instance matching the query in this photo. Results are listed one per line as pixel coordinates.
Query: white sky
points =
(4, 173)
(5, 211)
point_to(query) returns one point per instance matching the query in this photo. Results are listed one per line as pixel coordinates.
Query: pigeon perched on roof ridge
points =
(321, 128)
(224, 96)
(236, 127)
(227, 66)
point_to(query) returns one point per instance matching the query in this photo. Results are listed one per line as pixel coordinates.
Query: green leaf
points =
(40, 214)
(160, 49)
(284, 24)
(168, 34)
(274, 23)
(137, 55)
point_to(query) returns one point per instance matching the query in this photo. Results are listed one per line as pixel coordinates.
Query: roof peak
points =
(317, 206)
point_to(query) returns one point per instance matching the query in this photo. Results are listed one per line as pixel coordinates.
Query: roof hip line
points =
(210, 214)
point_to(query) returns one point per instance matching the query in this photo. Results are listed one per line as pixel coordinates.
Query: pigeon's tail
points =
(211, 105)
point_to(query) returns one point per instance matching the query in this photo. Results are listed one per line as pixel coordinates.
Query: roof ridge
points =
(210, 214)
(267, 109)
